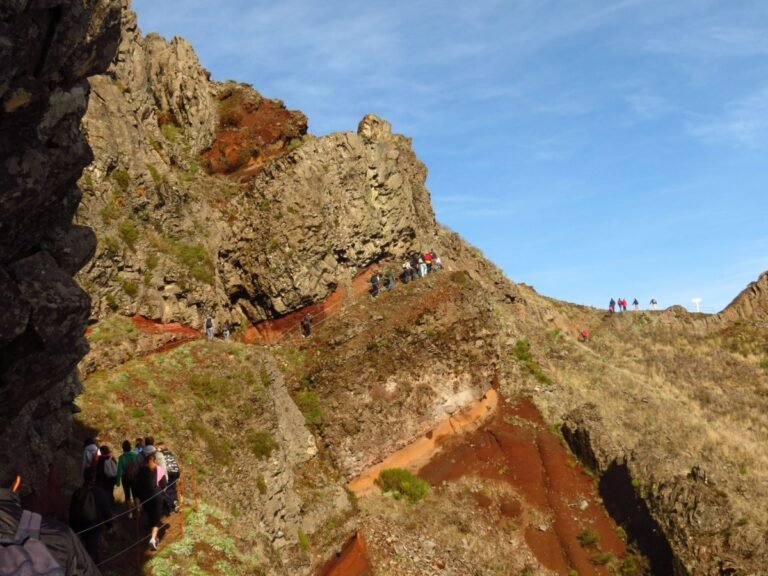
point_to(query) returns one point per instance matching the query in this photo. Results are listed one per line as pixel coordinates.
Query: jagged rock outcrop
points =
(334, 206)
(48, 50)
(751, 303)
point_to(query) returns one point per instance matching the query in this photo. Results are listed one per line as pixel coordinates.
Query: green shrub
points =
(589, 538)
(194, 257)
(113, 329)
(129, 233)
(111, 302)
(403, 484)
(131, 288)
(602, 558)
(157, 178)
(522, 351)
(261, 484)
(261, 444)
(309, 404)
(219, 447)
(111, 245)
(151, 261)
(121, 178)
(170, 131)
(303, 540)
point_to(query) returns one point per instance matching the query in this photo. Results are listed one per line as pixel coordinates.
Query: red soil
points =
(151, 327)
(253, 131)
(353, 560)
(515, 448)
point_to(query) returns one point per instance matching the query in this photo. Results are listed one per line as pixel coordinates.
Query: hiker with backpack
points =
(88, 508)
(405, 277)
(390, 280)
(612, 306)
(50, 544)
(106, 472)
(306, 326)
(127, 469)
(375, 282)
(149, 495)
(90, 454)
(209, 327)
(635, 304)
(173, 470)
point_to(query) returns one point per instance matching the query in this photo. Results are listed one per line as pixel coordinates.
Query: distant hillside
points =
(751, 303)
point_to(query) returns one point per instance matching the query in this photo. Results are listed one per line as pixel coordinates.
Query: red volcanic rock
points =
(252, 131)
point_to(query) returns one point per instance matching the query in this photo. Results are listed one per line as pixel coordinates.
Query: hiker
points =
(635, 304)
(422, 267)
(61, 545)
(139, 446)
(583, 335)
(106, 473)
(406, 274)
(90, 454)
(209, 327)
(428, 261)
(150, 448)
(624, 304)
(375, 281)
(88, 509)
(173, 471)
(437, 262)
(414, 266)
(149, 494)
(390, 280)
(612, 305)
(653, 303)
(127, 469)
(306, 326)
(225, 330)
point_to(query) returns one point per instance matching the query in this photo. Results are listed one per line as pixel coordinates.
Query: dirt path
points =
(422, 449)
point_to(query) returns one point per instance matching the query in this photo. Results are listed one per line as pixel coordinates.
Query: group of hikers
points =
(226, 328)
(148, 474)
(414, 266)
(622, 304)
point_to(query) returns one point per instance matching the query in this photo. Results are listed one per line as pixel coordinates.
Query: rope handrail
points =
(107, 521)
(124, 550)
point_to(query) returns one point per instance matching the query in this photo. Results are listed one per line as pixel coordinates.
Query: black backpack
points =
(171, 464)
(86, 506)
(25, 554)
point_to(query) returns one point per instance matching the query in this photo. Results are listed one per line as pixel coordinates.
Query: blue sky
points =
(589, 148)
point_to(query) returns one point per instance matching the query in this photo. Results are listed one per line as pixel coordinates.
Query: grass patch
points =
(220, 449)
(589, 538)
(522, 352)
(157, 178)
(403, 484)
(129, 233)
(170, 131)
(261, 485)
(304, 543)
(130, 288)
(194, 257)
(111, 245)
(261, 444)
(121, 178)
(113, 329)
(309, 404)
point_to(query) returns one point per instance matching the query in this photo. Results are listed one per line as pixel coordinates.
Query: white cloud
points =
(743, 122)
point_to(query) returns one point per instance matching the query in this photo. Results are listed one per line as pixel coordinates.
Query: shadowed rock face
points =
(48, 51)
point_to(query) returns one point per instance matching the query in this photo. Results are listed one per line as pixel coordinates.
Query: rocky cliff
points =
(751, 303)
(48, 51)
(209, 198)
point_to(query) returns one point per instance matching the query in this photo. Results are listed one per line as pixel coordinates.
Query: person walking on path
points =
(653, 303)
(612, 305)
(390, 280)
(88, 508)
(422, 267)
(173, 471)
(407, 269)
(583, 335)
(149, 494)
(127, 470)
(90, 454)
(209, 327)
(306, 326)
(106, 473)
(635, 304)
(375, 282)
(225, 330)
